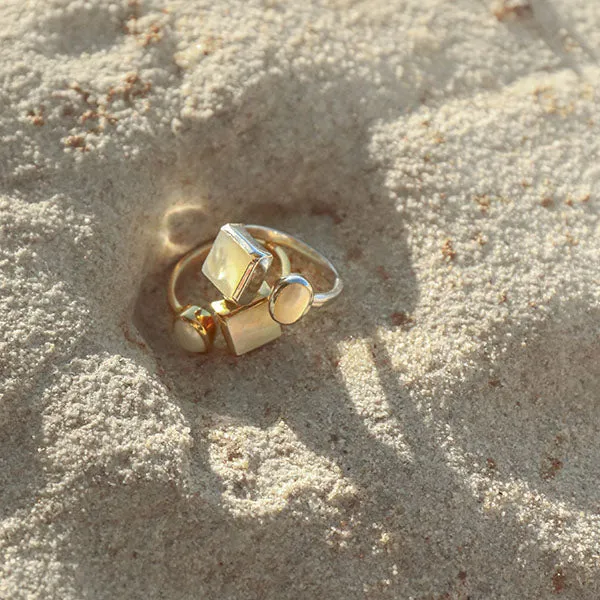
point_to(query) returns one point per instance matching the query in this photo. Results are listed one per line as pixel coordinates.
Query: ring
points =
(250, 314)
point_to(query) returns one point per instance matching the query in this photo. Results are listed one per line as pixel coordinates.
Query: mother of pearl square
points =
(237, 264)
(291, 299)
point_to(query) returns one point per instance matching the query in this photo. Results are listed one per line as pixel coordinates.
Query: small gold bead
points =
(194, 329)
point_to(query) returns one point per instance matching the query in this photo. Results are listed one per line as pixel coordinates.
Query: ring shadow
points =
(428, 508)
(336, 201)
(542, 399)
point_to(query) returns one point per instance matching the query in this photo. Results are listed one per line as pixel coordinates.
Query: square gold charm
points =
(246, 327)
(237, 264)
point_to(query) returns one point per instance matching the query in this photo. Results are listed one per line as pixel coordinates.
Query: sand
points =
(434, 434)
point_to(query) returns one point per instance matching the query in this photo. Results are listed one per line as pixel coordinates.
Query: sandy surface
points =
(435, 434)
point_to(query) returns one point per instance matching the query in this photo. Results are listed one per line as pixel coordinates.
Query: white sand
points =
(435, 434)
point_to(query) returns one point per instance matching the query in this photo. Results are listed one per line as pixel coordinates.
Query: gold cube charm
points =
(246, 327)
(237, 264)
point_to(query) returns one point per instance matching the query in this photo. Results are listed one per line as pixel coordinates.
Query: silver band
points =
(279, 238)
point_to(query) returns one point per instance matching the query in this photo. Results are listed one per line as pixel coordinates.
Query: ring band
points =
(279, 238)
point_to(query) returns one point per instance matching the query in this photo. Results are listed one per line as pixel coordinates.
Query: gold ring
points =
(251, 312)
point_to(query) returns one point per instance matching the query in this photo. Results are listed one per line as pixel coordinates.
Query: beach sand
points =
(435, 432)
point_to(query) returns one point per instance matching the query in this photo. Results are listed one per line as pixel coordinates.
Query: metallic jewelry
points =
(195, 325)
(279, 238)
(238, 263)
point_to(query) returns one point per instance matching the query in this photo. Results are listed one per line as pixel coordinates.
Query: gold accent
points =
(246, 328)
(195, 329)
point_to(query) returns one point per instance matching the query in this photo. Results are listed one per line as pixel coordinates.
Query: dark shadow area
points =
(21, 474)
(297, 553)
(540, 406)
(539, 18)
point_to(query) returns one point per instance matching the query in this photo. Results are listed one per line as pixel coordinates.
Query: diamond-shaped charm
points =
(237, 264)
